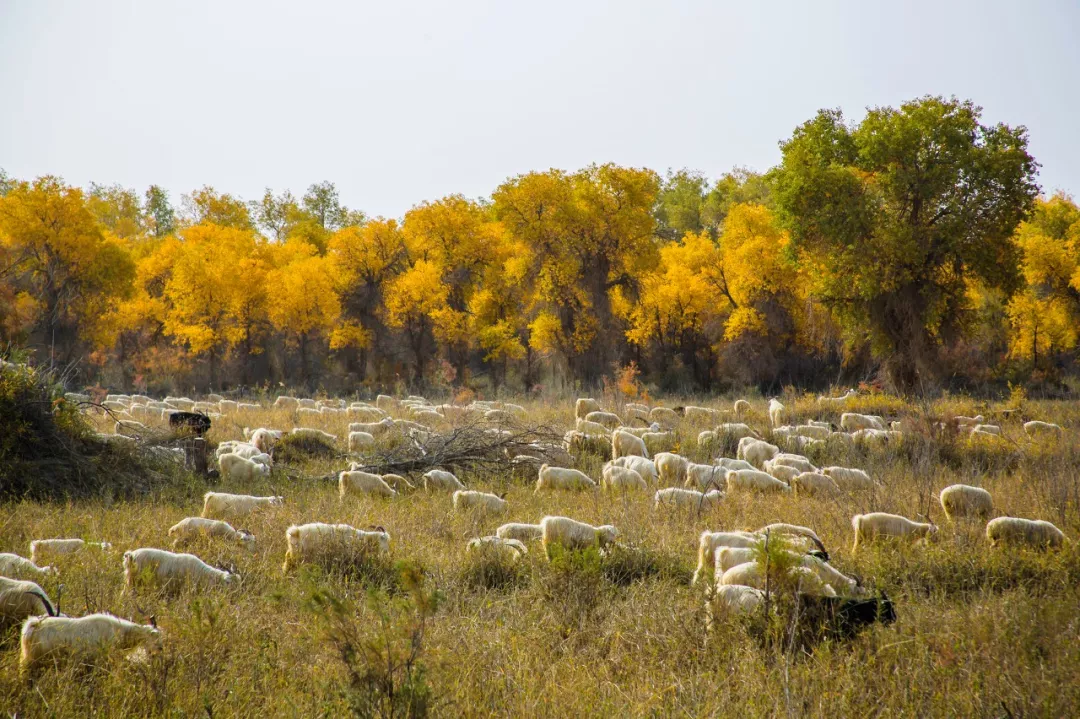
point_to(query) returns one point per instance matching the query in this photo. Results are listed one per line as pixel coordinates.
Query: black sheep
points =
(842, 617)
(195, 422)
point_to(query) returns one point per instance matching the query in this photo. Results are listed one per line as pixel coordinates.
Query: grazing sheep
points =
(220, 505)
(396, 482)
(572, 534)
(441, 479)
(797, 461)
(963, 500)
(849, 479)
(776, 412)
(853, 422)
(563, 478)
(837, 401)
(264, 438)
(429, 416)
(747, 574)
(671, 468)
(375, 429)
(812, 431)
(877, 525)
(637, 431)
(315, 432)
(687, 498)
(664, 415)
(733, 600)
(584, 405)
(233, 466)
(624, 443)
(501, 415)
(741, 408)
(12, 565)
(962, 421)
(308, 541)
(287, 403)
(609, 420)
(308, 413)
(813, 483)
(226, 405)
(165, 568)
(509, 550)
(52, 636)
(660, 441)
(642, 465)
(191, 527)
(360, 440)
(701, 414)
(828, 574)
(782, 472)
(727, 557)
(305, 403)
(1035, 428)
(753, 480)
(592, 428)
(710, 542)
(22, 599)
(1014, 531)
(579, 443)
(704, 476)
(736, 430)
(385, 402)
(357, 482)
(728, 463)
(756, 451)
(485, 502)
(986, 429)
(366, 413)
(706, 439)
(794, 530)
(621, 478)
(520, 532)
(876, 436)
(42, 549)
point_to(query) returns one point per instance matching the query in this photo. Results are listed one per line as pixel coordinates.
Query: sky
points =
(401, 101)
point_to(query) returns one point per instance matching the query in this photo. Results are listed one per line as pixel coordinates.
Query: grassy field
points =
(980, 632)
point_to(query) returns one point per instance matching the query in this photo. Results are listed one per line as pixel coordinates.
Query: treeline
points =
(911, 247)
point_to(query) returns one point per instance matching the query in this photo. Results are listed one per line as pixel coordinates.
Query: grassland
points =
(980, 632)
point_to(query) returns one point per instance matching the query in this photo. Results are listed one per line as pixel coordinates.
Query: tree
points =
(892, 217)
(116, 208)
(276, 215)
(160, 214)
(207, 205)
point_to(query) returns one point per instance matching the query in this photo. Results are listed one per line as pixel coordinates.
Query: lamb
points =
(664, 415)
(484, 502)
(853, 422)
(814, 483)
(624, 443)
(607, 419)
(736, 430)
(776, 412)
(709, 542)
(509, 550)
(563, 478)
(756, 451)
(643, 466)
(962, 500)
(360, 440)
(1014, 531)
(520, 532)
(165, 568)
(572, 534)
(191, 527)
(704, 476)
(42, 549)
(233, 466)
(441, 479)
(373, 428)
(753, 480)
(659, 441)
(584, 405)
(741, 408)
(621, 478)
(357, 482)
(671, 468)
(12, 565)
(1035, 428)
(51, 636)
(687, 498)
(22, 599)
(219, 505)
(881, 525)
(591, 428)
(849, 479)
(308, 541)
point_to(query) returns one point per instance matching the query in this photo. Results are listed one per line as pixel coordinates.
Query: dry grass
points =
(980, 632)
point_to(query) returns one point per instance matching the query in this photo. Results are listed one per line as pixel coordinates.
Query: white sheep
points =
(264, 438)
(241, 469)
(877, 525)
(507, 549)
(701, 414)
(876, 436)
(367, 413)
(312, 432)
(687, 498)
(584, 405)
(706, 439)
(624, 444)
(357, 482)
(748, 574)
(671, 468)
(1035, 428)
(621, 478)
(1015, 531)
(848, 479)
(837, 401)
(724, 558)
(782, 471)
(986, 429)
(485, 502)
(797, 461)
(793, 530)
(704, 476)
(385, 402)
(592, 428)
(52, 636)
(776, 412)
(308, 541)
(664, 415)
(660, 441)
(165, 568)
(741, 408)
(563, 478)
(736, 430)
(226, 406)
(288, 403)
(572, 534)
(814, 483)
(441, 479)
(520, 532)
(609, 420)
(756, 451)
(306, 403)
(733, 600)
(709, 542)
(220, 505)
(41, 550)
(375, 429)
(963, 500)
(812, 431)
(642, 465)
(12, 565)
(360, 440)
(728, 463)
(962, 421)
(191, 527)
(396, 482)
(853, 422)
(753, 480)
(22, 599)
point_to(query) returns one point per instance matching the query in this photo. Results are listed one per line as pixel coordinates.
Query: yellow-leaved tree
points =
(303, 303)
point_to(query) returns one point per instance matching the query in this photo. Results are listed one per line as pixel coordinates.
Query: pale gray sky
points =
(402, 101)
